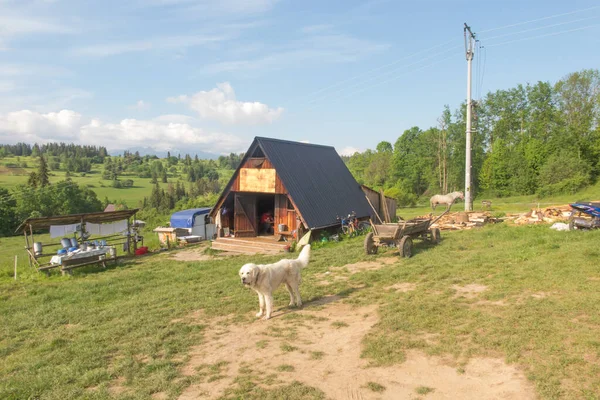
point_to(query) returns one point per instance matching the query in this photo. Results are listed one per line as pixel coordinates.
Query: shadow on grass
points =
(318, 302)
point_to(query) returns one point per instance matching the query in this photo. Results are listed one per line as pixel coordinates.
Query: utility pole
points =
(469, 52)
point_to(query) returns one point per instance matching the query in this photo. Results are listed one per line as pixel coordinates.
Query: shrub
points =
(565, 173)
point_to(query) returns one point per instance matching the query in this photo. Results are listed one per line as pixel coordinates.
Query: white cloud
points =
(140, 105)
(68, 125)
(348, 151)
(159, 43)
(312, 50)
(220, 104)
(23, 25)
(212, 8)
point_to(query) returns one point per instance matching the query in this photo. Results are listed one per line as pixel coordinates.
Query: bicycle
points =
(351, 226)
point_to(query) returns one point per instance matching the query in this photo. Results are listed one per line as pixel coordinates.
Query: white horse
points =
(447, 199)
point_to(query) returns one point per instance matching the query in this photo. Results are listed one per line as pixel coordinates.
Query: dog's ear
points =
(255, 271)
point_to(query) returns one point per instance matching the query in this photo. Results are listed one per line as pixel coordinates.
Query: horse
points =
(447, 199)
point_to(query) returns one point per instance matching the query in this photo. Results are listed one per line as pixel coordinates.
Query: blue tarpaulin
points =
(185, 218)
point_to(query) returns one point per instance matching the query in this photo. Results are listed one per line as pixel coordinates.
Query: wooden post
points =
(27, 246)
(135, 236)
(383, 202)
(15, 267)
(129, 236)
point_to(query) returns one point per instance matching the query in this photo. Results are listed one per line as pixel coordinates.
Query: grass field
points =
(11, 177)
(124, 328)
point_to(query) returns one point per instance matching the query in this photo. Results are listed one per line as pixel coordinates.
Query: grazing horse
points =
(447, 199)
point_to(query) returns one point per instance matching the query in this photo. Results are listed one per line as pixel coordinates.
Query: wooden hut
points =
(303, 186)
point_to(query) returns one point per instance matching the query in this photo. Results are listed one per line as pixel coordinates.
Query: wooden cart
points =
(402, 234)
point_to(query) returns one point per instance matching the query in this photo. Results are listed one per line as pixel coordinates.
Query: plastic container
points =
(281, 227)
(71, 249)
(141, 250)
(65, 243)
(37, 248)
(60, 252)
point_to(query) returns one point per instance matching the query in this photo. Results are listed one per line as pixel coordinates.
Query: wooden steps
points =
(256, 245)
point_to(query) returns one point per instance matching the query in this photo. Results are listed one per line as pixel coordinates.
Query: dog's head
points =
(248, 274)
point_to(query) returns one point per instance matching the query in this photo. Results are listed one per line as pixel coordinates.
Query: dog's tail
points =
(304, 256)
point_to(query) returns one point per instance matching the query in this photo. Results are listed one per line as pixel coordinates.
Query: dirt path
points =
(320, 346)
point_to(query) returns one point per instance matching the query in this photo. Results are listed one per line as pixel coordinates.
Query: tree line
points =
(540, 138)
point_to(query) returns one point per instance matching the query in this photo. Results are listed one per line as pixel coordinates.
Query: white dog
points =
(264, 279)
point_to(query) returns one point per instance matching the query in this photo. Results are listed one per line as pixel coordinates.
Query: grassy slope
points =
(103, 188)
(60, 336)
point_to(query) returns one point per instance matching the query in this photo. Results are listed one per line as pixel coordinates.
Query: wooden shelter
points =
(32, 225)
(385, 209)
(303, 186)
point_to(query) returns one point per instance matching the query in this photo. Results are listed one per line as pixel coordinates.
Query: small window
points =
(290, 206)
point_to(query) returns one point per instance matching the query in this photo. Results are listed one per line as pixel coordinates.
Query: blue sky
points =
(202, 75)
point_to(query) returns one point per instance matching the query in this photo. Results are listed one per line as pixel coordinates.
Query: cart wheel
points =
(436, 235)
(405, 246)
(370, 247)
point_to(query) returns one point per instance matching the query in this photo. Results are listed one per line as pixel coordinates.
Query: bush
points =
(404, 198)
(117, 184)
(563, 173)
(127, 183)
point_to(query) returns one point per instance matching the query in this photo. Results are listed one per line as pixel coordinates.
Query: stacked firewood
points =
(548, 215)
(464, 220)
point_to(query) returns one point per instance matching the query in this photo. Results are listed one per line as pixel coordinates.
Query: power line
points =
(541, 36)
(376, 77)
(392, 79)
(542, 27)
(539, 19)
(376, 69)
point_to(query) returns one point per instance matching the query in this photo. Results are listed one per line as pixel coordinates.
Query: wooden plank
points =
(375, 211)
(257, 180)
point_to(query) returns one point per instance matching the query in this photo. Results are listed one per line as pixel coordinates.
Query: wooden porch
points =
(251, 245)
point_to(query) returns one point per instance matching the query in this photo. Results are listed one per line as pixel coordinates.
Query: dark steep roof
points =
(318, 181)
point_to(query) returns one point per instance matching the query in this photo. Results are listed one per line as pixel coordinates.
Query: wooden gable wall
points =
(261, 164)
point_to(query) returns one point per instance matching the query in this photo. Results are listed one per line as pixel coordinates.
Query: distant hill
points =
(203, 155)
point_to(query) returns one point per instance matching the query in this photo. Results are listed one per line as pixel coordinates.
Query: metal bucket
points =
(112, 252)
(73, 242)
(65, 243)
(37, 248)
(281, 227)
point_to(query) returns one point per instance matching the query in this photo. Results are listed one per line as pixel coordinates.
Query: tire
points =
(370, 247)
(405, 246)
(436, 235)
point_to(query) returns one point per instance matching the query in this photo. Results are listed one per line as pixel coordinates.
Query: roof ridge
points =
(260, 138)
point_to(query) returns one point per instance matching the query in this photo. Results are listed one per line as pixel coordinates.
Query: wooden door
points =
(245, 215)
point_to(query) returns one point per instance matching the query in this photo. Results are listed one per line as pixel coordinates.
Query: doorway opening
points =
(265, 212)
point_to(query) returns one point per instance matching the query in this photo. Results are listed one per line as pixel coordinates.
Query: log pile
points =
(464, 220)
(468, 220)
(548, 215)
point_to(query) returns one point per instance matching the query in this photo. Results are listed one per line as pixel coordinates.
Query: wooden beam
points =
(374, 210)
